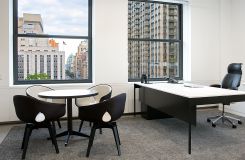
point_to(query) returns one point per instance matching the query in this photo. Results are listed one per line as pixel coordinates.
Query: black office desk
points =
(175, 100)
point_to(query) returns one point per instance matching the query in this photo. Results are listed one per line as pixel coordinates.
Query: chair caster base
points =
(233, 126)
(239, 122)
(208, 120)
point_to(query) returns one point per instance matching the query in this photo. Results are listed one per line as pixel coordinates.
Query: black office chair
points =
(33, 91)
(27, 108)
(231, 81)
(98, 114)
(104, 93)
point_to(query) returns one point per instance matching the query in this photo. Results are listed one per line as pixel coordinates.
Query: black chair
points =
(104, 93)
(231, 81)
(96, 113)
(33, 91)
(27, 109)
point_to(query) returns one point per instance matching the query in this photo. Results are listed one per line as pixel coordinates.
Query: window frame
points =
(16, 35)
(179, 41)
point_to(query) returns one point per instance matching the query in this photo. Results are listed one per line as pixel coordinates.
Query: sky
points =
(60, 17)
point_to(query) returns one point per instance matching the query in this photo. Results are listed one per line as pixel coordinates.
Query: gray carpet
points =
(141, 140)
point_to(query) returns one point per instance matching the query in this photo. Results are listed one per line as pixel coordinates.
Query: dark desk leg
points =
(134, 102)
(189, 139)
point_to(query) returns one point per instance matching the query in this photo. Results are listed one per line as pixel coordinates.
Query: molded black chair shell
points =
(94, 113)
(27, 109)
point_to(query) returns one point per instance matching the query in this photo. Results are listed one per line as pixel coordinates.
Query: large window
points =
(154, 40)
(52, 41)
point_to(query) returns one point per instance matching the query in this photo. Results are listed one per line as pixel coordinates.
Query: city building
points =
(152, 21)
(38, 55)
(81, 61)
(70, 67)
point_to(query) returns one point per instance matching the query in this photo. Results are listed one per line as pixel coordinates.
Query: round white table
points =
(68, 95)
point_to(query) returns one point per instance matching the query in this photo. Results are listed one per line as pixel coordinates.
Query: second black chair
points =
(104, 115)
(104, 93)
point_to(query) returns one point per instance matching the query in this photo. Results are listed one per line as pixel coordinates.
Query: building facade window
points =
(52, 45)
(155, 40)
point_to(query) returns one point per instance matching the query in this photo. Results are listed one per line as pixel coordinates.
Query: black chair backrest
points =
(232, 79)
(114, 106)
(27, 108)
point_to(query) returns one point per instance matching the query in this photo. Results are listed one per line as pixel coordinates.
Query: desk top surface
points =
(68, 93)
(191, 90)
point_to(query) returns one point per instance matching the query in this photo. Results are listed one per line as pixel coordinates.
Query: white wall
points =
(235, 40)
(110, 48)
(234, 50)
(205, 41)
(110, 41)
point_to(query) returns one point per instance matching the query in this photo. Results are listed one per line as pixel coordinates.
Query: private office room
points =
(122, 79)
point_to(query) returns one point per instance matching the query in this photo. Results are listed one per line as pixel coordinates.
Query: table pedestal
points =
(70, 131)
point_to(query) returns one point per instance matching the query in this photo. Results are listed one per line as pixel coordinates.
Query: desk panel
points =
(175, 106)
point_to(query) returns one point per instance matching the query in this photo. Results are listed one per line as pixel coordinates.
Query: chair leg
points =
(51, 129)
(80, 126)
(90, 124)
(118, 136)
(24, 137)
(236, 119)
(91, 139)
(228, 120)
(58, 121)
(100, 130)
(53, 124)
(27, 137)
(116, 139)
(220, 117)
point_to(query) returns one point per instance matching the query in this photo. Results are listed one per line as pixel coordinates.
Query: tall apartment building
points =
(70, 67)
(38, 55)
(152, 21)
(81, 61)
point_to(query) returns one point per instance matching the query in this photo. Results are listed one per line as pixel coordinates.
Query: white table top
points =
(191, 90)
(69, 93)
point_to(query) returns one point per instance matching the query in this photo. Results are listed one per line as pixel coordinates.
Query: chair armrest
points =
(215, 85)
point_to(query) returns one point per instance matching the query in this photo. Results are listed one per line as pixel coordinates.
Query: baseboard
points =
(207, 107)
(131, 113)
